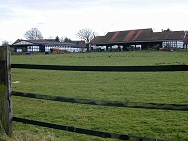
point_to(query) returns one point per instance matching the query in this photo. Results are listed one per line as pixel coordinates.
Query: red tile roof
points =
(129, 36)
(97, 39)
(114, 36)
(137, 35)
(143, 35)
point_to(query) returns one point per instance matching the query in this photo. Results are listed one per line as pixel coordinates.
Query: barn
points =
(44, 45)
(186, 40)
(139, 39)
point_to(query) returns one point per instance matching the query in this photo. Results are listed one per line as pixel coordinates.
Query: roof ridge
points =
(129, 30)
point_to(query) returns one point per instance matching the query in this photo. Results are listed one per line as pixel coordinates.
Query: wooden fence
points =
(6, 113)
(6, 116)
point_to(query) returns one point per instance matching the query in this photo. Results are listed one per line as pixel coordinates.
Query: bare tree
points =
(5, 43)
(86, 34)
(33, 34)
(61, 39)
(50, 37)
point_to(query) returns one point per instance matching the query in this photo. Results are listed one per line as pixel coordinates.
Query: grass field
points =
(156, 87)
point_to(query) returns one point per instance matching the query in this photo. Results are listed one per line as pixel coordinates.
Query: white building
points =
(45, 45)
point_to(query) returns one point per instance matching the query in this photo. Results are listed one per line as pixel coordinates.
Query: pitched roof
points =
(97, 39)
(171, 35)
(51, 42)
(123, 36)
(43, 40)
(79, 43)
(137, 35)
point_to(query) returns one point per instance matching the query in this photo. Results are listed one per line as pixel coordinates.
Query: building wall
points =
(33, 48)
(64, 47)
(173, 44)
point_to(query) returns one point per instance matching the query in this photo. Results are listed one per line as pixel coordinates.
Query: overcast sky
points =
(65, 17)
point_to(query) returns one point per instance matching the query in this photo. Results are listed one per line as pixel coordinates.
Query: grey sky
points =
(66, 17)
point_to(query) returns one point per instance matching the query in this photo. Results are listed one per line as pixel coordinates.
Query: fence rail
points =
(105, 68)
(162, 68)
(165, 68)
(86, 131)
(162, 106)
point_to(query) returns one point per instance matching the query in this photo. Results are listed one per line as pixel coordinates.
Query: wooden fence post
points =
(6, 111)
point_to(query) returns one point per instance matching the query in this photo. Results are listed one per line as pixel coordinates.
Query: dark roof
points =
(79, 43)
(123, 36)
(97, 39)
(43, 40)
(138, 35)
(171, 35)
(51, 42)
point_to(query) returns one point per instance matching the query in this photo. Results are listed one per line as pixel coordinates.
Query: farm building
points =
(186, 40)
(139, 39)
(44, 45)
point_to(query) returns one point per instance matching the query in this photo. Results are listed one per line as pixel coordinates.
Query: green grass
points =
(156, 87)
(106, 58)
